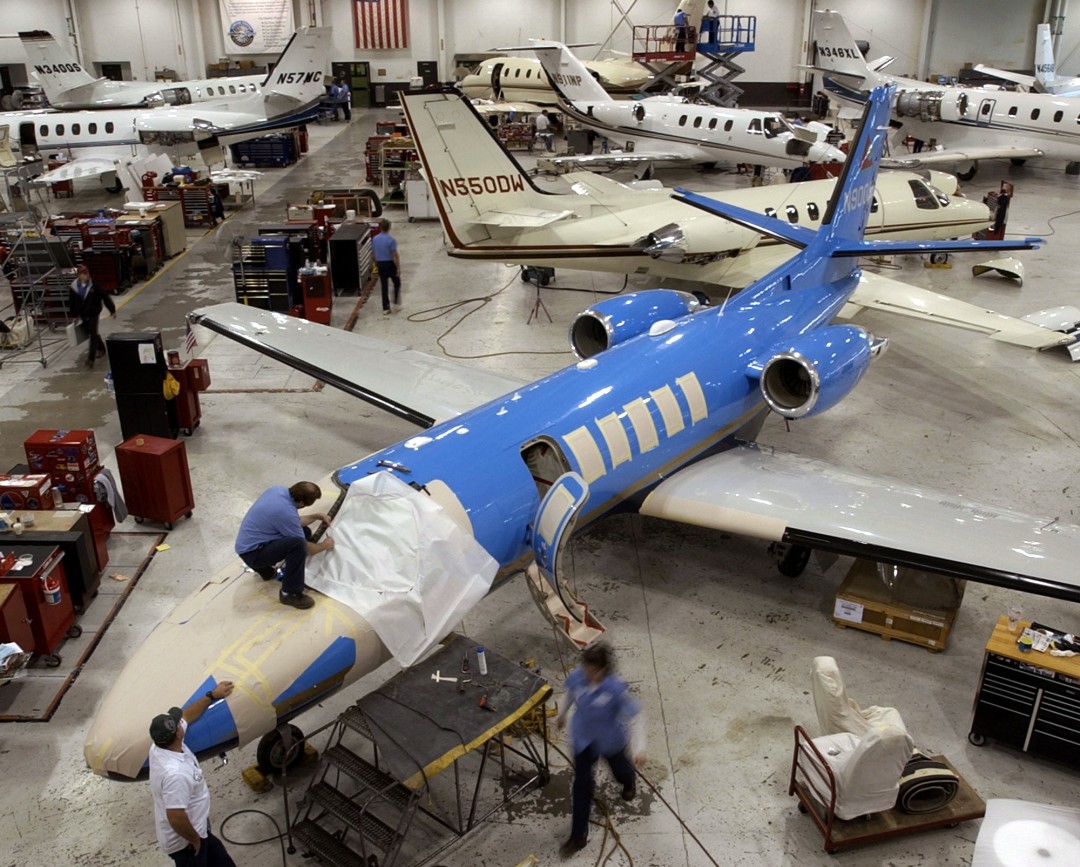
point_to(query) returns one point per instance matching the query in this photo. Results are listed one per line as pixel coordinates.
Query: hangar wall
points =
(926, 36)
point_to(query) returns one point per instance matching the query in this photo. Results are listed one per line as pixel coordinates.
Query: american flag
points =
(189, 340)
(381, 24)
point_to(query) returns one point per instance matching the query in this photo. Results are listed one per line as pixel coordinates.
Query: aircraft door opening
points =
(496, 81)
(986, 112)
(27, 139)
(546, 462)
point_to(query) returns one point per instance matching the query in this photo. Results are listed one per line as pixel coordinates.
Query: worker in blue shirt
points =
(680, 30)
(606, 722)
(274, 530)
(384, 246)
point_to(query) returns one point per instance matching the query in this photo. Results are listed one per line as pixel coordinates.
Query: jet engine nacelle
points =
(814, 371)
(937, 105)
(694, 239)
(616, 320)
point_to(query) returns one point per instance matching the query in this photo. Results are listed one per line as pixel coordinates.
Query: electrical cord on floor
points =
(280, 836)
(1049, 225)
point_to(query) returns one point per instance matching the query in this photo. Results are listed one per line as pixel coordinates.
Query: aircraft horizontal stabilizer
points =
(521, 218)
(85, 167)
(799, 501)
(892, 296)
(770, 227)
(415, 386)
(614, 160)
(955, 155)
(891, 248)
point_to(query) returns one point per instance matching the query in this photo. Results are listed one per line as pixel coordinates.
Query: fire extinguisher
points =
(50, 589)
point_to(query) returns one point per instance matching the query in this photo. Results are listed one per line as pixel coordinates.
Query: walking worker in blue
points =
(680, 30)
(607, 722)
(384, 246)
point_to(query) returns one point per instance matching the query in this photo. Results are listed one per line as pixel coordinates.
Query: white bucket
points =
(350, 215)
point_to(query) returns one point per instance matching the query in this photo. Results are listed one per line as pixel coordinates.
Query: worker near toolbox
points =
(85, 300)
(384, 246)
(181, 796)
(274, 530)
(607, 722)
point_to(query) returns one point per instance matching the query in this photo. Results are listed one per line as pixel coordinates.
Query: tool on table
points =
(438, 678)
(461, 685)
(465, 662)
(484, 704)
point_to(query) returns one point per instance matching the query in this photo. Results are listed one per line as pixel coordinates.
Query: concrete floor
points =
(715, 642)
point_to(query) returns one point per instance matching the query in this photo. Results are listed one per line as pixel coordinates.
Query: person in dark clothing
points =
(85, 300)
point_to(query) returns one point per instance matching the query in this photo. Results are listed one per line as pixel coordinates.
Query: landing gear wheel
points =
(115, 188)
(976, 740)
(969, 174)
(52, 660)
(75, 631)
(939, 258)
(1016, 161)
(791, 560)
(272, 755)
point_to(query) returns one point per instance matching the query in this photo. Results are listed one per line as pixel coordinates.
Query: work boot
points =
(267, 573)
(629, 791)
(296, 600)
(572, 845)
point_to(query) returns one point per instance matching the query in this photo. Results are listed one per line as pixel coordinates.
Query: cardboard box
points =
(25, 492)
(864, 602)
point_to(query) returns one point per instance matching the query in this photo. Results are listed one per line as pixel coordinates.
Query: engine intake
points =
(616, 320)
(815, 371)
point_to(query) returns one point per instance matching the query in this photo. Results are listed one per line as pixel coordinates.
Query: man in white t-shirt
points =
(543, 131)
(181, 797)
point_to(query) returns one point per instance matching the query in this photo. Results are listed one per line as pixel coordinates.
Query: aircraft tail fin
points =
(1045, 68)
(836, 51)
(472, 177)
(568, 76)
(55, 66)
(298, 77)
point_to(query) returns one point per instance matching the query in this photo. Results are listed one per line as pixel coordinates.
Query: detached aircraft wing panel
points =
(786, 498)
(521, 218)
(84, 167)
(892, 296)
(952, 155)
(415, 386)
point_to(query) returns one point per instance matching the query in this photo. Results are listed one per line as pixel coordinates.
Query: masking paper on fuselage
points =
(402, 563)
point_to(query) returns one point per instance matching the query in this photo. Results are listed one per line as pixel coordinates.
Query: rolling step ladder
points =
(353, 814)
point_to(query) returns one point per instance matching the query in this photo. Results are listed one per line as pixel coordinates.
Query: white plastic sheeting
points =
(402, 563)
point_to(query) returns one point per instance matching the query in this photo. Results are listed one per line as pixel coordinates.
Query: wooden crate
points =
(864, 602)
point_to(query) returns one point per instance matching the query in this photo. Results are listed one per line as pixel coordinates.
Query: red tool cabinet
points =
(14, 621)
(318, 297)
(50, 621)
(155, 477)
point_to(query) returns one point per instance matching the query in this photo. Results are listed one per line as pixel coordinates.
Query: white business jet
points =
(1045, 79)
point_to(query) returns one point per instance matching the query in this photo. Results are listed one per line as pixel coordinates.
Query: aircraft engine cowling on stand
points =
(939, 105)
(616, 320)
(813, 372)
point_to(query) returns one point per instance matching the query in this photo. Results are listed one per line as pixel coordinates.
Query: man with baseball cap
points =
(181, 797)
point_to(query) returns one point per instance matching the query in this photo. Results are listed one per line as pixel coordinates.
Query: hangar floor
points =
(715, 642)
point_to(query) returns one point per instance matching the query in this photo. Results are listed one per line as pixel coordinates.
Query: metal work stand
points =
(537, 307)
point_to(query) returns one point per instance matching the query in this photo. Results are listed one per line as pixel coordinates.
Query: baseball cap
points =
(163, 727)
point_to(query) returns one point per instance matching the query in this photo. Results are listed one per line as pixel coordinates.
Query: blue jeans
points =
(621, 768)
(212, 853)
(291, 549)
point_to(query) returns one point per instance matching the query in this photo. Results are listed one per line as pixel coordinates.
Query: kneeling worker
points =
(273, 530)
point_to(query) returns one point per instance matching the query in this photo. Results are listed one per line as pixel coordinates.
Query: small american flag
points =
(381, 24)
(189, 340)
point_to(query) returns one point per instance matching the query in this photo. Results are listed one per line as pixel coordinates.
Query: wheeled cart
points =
(155, 477)
(39, 575)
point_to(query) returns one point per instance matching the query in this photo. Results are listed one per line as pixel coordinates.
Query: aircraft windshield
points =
(924, 199)
(774, 125)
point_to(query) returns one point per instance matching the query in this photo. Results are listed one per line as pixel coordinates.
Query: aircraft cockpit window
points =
(682, 120)
(773, 127)
(874, 205)
(1012, 111)
(812, 211)
(76, 128)
(697, 122)
(108, 126)
(712, 123)
(1058, 115)
(755, 126)
(728, 126)
(1035, 114)
(770, 212)
(924, 199)
(792, 214)
(91, 128)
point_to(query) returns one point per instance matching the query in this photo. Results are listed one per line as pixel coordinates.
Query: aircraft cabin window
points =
(108, 126)
(755, 126)
(712, 123)
(1012, 111)
(697, 122)
(76, 128)
(770, 212)
(924, 199)
(1058, 115)
(812, 211)
(44, 130)
(639, 112)
(728, 126)
(232, 89)
(243, 88)
(1035, 114)
(985, 110)
(59, 129)
(792, 214)
(91, 128)
(682, 120)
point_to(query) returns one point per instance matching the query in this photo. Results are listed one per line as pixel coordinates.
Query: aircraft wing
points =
(613, 160)
(781, 497)
(84, 167)
(951, 155)
(892, 296)
(420, 388)
(204, 120)
(521, 218)
(1020, 78)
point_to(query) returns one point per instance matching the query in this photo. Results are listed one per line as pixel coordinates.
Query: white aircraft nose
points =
(822, 152)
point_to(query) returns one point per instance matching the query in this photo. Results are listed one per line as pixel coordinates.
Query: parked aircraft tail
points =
(1045, 68)
(568, 76)
(476, 183)
(837, 52)
(299, 75)
(57, 69)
